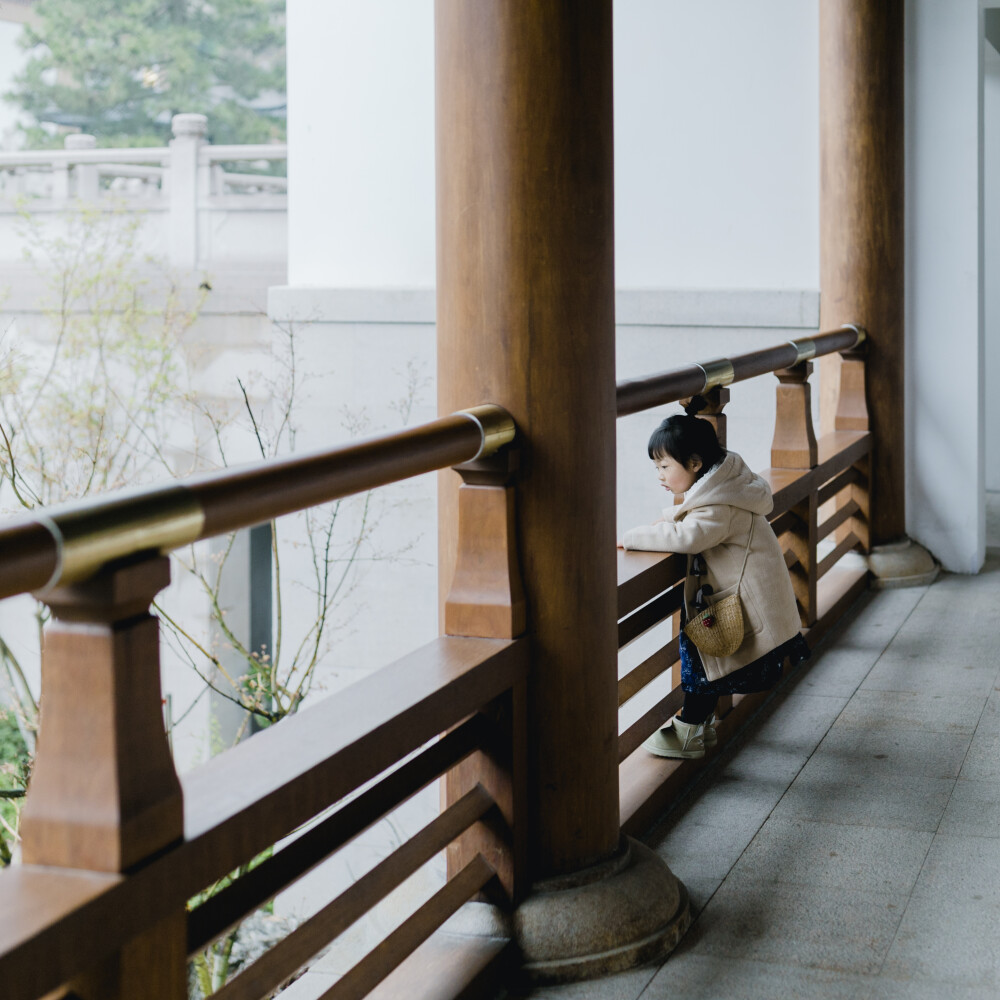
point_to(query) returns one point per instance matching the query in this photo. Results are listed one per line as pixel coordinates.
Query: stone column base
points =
(618, 915)
(901, 564)
(615, 916)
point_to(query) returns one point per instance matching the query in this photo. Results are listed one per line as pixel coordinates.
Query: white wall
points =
(716, 132)
(361, 119)
(944, 385)
(716, 144)
(991, 270)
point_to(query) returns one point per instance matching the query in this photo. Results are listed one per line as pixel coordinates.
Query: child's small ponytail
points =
(684, 436)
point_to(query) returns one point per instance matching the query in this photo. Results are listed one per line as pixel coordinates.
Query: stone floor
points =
(848, 847)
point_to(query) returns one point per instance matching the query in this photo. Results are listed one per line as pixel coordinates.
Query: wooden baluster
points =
(794, 443)
(104, 794)
(486, 599)
(852, 415)
(794, 447)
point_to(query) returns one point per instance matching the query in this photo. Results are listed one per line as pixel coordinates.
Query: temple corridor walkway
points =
(848, 847)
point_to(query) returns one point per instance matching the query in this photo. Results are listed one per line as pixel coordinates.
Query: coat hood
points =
(730, 482)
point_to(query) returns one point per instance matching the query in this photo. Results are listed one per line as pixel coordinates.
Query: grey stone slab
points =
(771, 763)
(983, 760)
(689, 976)
(973, 811)
(932, 664)
(841, 790)
(837, 671)
(895, 751)
(796, 720)
(961, 870)
(624, 986)
(884, 988)
(804, 852)
(946, 943)
(697, 850)
(816, 926)
(876, 621)
(937, 713)
(989, 720)
(700, 890)
(725, 800)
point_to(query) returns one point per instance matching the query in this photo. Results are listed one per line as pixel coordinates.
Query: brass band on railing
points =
(635, 395)
(71, 542)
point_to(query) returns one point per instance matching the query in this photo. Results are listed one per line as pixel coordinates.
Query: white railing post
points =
(84, 174)
(189, 136)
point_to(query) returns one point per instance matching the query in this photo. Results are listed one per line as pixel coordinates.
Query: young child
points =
(722, 500)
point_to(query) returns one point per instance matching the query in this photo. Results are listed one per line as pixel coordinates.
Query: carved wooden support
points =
(104, 794)
(794, 445)
(801, 541)
(852, 406)
(486, 598)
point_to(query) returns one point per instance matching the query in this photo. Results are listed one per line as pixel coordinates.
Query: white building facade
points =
(717, 209)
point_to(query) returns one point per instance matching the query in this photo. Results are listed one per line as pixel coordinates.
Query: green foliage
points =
(139, 62)
(14, 768)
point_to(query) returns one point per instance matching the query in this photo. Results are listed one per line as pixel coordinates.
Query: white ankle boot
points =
(678, 739)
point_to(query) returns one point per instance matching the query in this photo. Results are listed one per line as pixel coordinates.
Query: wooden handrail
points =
(635, 395)
(71, 542)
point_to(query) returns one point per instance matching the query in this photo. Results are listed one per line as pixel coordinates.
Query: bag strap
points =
(746, 555)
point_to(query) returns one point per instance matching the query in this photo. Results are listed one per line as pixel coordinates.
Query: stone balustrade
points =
(188, 189)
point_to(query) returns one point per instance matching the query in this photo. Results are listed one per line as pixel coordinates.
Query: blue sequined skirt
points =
(760, 675)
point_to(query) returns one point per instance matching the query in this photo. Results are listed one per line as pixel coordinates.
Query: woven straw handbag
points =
(717, 628)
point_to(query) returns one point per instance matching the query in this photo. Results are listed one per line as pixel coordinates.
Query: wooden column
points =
(861, 221)
(525, 273)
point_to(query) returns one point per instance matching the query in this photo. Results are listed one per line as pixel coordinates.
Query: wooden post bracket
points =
(486, 598)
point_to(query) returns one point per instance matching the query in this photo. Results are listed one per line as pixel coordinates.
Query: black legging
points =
(697, 707)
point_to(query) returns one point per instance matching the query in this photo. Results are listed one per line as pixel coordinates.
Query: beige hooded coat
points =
(715, 519)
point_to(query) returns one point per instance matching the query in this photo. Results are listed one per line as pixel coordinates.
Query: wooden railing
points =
(806, 475)
(115, 845)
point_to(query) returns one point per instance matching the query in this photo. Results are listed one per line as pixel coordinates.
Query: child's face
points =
(675, 477)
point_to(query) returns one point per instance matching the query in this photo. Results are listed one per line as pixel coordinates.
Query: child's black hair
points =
(683, 436)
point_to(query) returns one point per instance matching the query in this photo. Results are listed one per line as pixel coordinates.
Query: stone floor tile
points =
(700, 890)
(817, 926)
(948, 943)
(689, 976)
(771, 762)
(961, 869)
(696, 850)
(884, 988)
(849, 857)
(624, 986)
(837, 671)
(729, 800)
(932, 664)
(989, 721)
(983, 760)
(896, 751)
(937, 713)
(973, 811)
(831, 789)
(796, 720)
